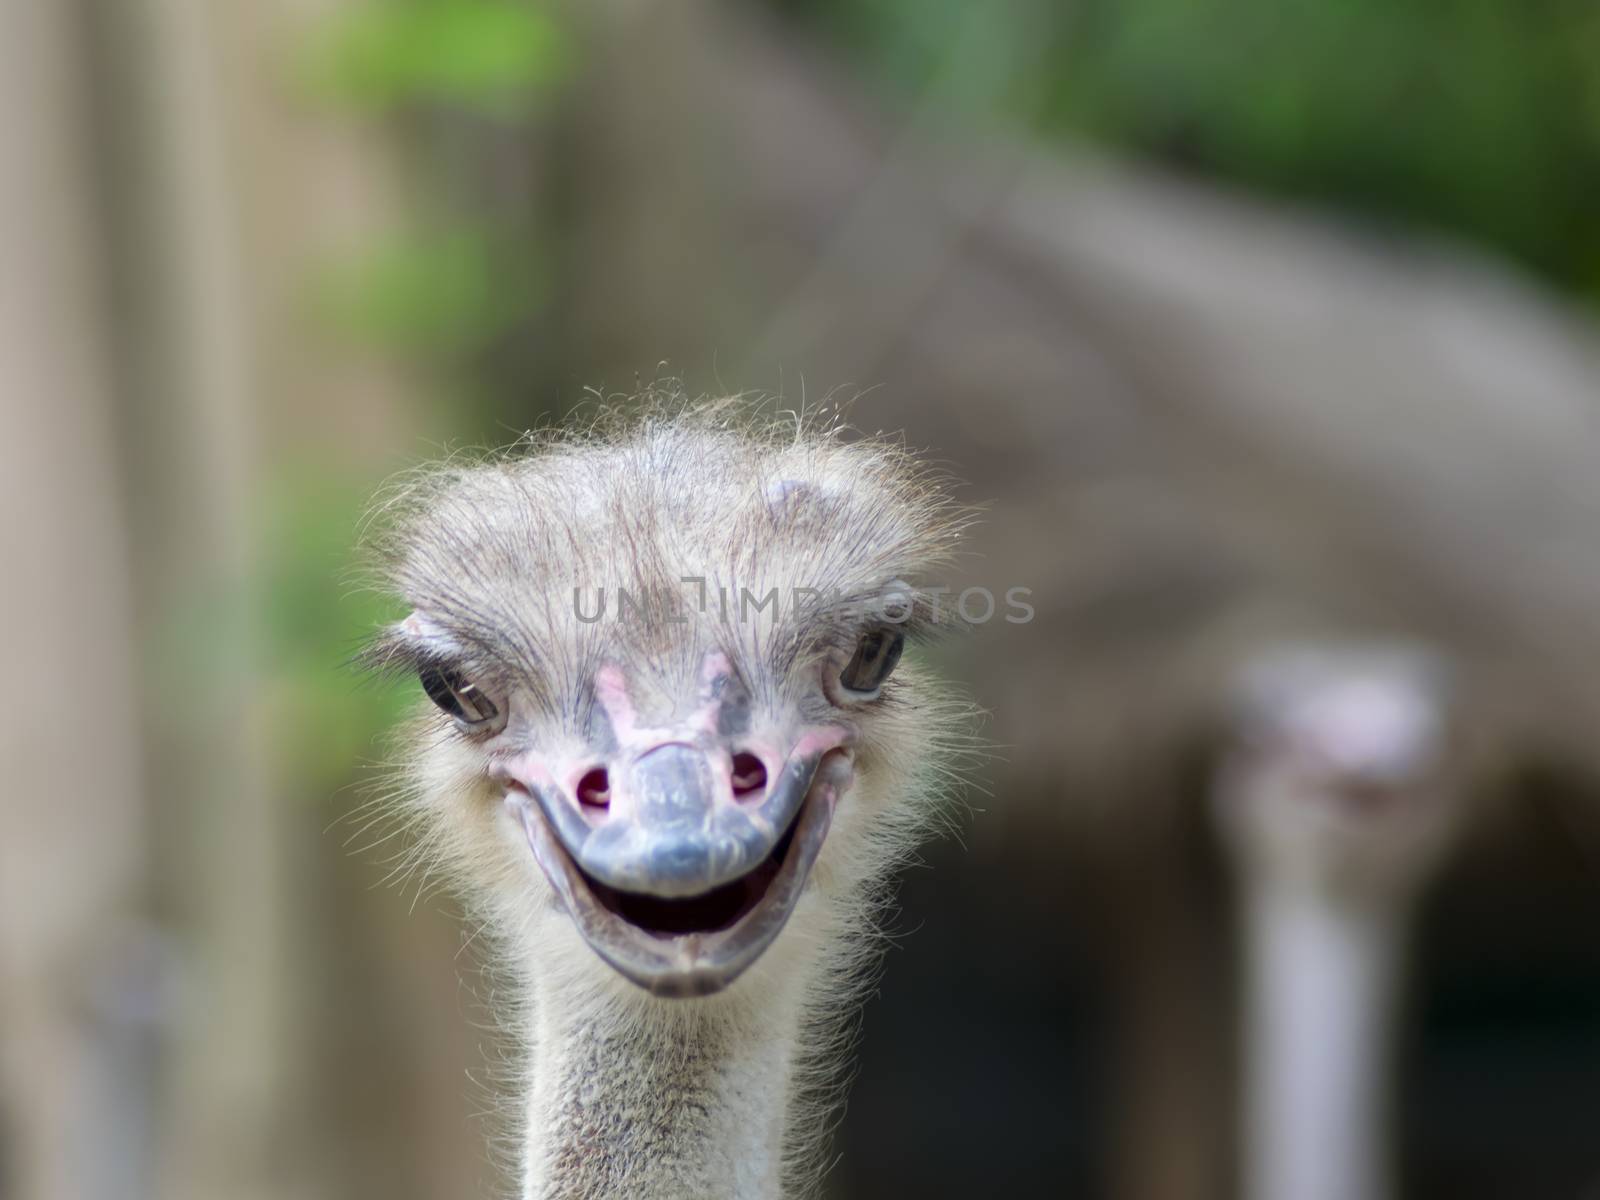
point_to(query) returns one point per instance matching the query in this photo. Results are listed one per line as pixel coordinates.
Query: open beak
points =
(682, 879)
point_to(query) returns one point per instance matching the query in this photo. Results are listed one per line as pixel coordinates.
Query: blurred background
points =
(1246, 320)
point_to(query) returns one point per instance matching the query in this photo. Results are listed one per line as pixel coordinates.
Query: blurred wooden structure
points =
(72, 840)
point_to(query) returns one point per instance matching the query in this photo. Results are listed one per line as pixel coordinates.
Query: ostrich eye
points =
(876, 655)
(458, 696)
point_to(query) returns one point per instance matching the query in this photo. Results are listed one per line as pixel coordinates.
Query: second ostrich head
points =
(1347, 765)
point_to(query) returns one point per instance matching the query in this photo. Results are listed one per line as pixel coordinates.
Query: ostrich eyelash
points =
(390, 653)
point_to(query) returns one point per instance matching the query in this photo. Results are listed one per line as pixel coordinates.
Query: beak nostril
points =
(594, 789)
(749, 775)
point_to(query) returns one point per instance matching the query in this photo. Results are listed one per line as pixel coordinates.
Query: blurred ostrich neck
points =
(687, 1103)
(1323, 974)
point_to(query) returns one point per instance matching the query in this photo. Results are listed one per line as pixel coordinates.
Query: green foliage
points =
(492, 56)
(477, 71)
(432, 293)
(326, 715)
(1480, 117)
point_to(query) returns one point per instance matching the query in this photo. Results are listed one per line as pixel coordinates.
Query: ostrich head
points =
(1343, 765)
(671, 737)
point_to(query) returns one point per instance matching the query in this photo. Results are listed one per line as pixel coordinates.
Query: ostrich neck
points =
(1322, 990)
(689, 1102)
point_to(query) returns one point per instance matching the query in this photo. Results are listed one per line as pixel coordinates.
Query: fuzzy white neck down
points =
(1322, 993)
(656, 1100)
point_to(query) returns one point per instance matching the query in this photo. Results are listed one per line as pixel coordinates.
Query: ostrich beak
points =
(672, 829)
(679, 882)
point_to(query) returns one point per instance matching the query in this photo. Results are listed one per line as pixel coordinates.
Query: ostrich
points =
(1343, 784)
(673, 757)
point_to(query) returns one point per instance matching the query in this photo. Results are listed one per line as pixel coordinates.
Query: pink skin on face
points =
(699, 729)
